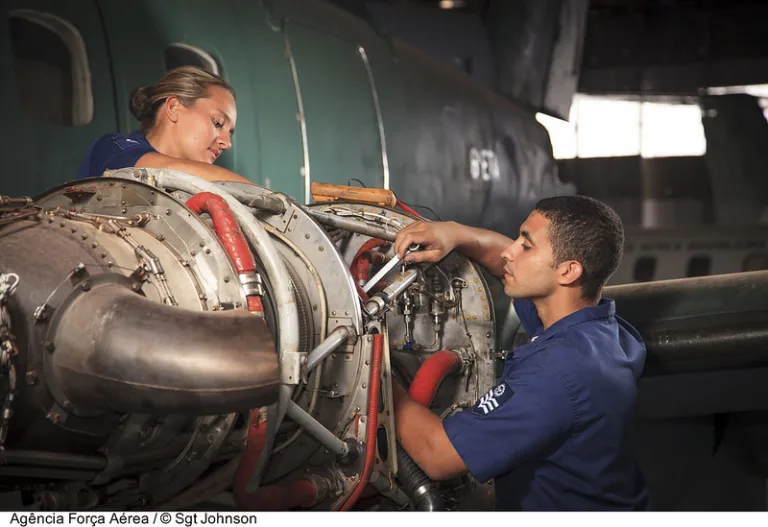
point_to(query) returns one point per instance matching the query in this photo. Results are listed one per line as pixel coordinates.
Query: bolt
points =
(84, 236)
(85, 286)
(192, 253)
(160, 237)
(94, 245)
(367, 362)
(290, 229)
(488, 335)
(314, 307)
(226, 279)
(333, 313)
(31, 377)
(54, 417)
(364, 386)
(73, 231)
(202, 243)
(167, 212)
(207, 251)
(201, 296)
(99, 198)
(103, 255)
(295, 216)
(136, 287)
(122, 202)
(321, 248)
(346, 312)
(306, 236)
(62, 224)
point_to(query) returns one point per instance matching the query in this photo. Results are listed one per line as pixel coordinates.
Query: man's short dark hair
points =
(588, 231)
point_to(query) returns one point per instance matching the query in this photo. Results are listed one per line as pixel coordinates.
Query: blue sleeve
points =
(528, 315)
(522, 416)
(111, 152)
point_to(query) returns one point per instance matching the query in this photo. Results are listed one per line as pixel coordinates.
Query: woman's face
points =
(204, 130)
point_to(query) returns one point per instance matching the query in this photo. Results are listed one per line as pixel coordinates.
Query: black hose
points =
(416, 484)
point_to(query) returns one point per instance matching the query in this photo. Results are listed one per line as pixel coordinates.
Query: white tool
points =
(384, 271)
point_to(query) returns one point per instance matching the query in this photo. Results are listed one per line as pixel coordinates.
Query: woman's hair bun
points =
(141, 107)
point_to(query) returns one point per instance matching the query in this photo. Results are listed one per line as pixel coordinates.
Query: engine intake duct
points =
(116, 350)
(699, 324)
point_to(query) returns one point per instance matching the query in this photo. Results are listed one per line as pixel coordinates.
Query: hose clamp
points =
(252, 284)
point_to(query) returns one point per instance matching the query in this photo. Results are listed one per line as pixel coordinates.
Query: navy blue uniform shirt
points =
(553, 432)
(113, 151)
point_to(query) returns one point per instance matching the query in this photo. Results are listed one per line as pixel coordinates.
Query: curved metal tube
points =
(287, 311)
(116, 350)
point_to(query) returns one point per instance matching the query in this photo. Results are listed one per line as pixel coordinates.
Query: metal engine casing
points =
(143, 455)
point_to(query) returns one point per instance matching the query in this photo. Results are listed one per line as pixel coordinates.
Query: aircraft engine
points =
(168, 341)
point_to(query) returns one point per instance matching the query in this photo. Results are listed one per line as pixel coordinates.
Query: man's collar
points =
(605, 308)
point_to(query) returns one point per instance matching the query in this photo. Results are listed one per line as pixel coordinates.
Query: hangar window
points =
(179, 54)
(645, 269)
(699, 266)
(50, 67)
(755, 262)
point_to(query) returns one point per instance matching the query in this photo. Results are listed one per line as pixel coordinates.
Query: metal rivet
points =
(125, 210)
(84, 236)
(295, 216)
(364, 386)
(202, 244)
(207, 251)
(488, 335)
(346, 312)
(31, 377)
(123, 202)
(167, 212)
(226, 279)
(321, 248)
(50, 346)
(306, 236)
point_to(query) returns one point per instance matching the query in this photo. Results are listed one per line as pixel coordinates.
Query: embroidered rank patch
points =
(495, 397)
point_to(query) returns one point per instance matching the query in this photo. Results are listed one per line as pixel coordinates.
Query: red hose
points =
(302, 493)
(361, 264)
(373, 422)
(431, 374)
(227, 229)
(407, 209)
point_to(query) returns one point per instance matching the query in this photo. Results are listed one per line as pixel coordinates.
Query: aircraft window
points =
(179, 54)
(699, 266)
(645, 269)
(50, 66)
(755, 262)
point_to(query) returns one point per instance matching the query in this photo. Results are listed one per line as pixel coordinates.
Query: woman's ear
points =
(172, 108)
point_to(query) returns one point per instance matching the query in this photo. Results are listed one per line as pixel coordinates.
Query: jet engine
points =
(166, 342)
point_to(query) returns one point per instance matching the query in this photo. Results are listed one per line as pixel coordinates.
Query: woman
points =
(187, 121)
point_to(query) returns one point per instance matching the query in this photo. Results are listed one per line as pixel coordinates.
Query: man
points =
(553, 431)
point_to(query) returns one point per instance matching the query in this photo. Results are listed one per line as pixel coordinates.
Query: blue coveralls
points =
(553, 432)
(114, 151)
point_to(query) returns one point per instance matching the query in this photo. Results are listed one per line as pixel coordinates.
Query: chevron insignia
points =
(495, 397)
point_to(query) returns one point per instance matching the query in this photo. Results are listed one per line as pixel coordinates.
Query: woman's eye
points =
(216, 123)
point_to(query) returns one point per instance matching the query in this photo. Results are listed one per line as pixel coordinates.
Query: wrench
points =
(387, 268)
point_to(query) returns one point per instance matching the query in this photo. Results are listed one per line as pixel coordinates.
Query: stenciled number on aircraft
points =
(483, 164)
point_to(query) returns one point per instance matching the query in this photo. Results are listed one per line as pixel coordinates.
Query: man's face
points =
(528, 261)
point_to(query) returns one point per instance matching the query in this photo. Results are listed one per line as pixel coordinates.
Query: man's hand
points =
(436, 238)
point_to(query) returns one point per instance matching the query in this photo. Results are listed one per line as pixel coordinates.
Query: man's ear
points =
(172, 107)
(569, 272)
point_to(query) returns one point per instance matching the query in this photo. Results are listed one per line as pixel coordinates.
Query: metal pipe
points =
(271, 203)
(317, 430)
(399, 284)
(665, 299)
(54, 459)
(113, 349)
(328, 346)
(340, 222)
(706, 343)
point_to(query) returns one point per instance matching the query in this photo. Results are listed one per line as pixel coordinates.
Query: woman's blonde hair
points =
(187, 83)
